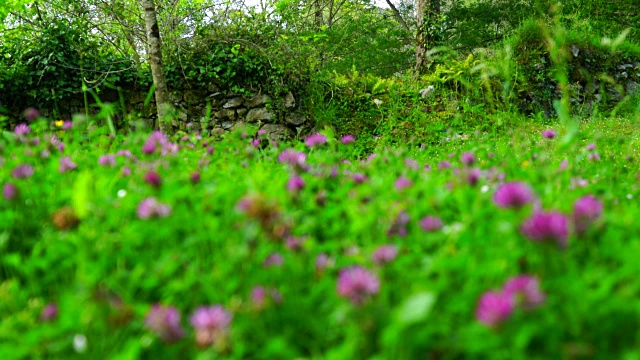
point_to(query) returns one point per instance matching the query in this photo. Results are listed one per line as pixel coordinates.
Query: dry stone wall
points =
(208, 111)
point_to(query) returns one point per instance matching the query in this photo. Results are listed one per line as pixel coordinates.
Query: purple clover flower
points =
(384, 254)
(259, 296)
(295, 184)
(125, 153)
(513, 195)
(164, 321)
(444, 165)
(322, 262)
(563, 165)
(315, 140)
(295, 159)
(357, 284)
(49, 312)
(473, 176)
(22, 171)
(468, 158)
(54, 142)
(359, 178)
(153, 178)
(431, 223)
(107, 160)
(399, 226)
(549, 134)
(334, 172)
(22, 130)
(157, 140)
(149, 147)
(151, 208)
(194, 177)
(546, 226)
(525, 290)
(494, 308)
(586, 210)
(66, 164)
(294, 243)
(402, 183)
(9, 191)
(211, 324)
(31, 114)
(347, 139)
(274, 259)
(590, 147)
(412, 164)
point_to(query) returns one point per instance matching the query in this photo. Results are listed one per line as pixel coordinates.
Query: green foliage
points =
(50, 65)
(107, 270)
(8, 6)
(239, 58)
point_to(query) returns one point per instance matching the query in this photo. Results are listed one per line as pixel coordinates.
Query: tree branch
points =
(397, 15)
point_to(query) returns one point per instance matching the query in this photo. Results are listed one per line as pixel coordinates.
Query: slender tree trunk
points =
(427, 12)
(318, 14)
(154, 47)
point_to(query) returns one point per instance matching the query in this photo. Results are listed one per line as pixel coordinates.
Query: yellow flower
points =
(525, 163)
(59, 123)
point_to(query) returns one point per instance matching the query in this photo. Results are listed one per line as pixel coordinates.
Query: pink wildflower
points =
(549, 134)
(153, 178)
(513, 195)
(49, 312)
(399, 226)
(412, 164)
(164, 321)
(211, 324)
(526, 291)
(384, 254)
(494, 308)
(402, 183)
(66, 164)
(546, 226)
(22, 130)
(275, 259)
(22, 171)
(150, 208)
(315, 140)
(359, 178)
(9, 191)
(31, 114)
(347, 139)
(295, 159)
(473, 176)
(586, 210)
(444, 165)
(107, 160)
(431, 224)
(468, 158)
(295, 184)
(194, 177)
(357, 284)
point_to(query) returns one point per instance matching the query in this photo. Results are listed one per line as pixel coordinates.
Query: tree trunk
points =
(427, 12)
(154, 49)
